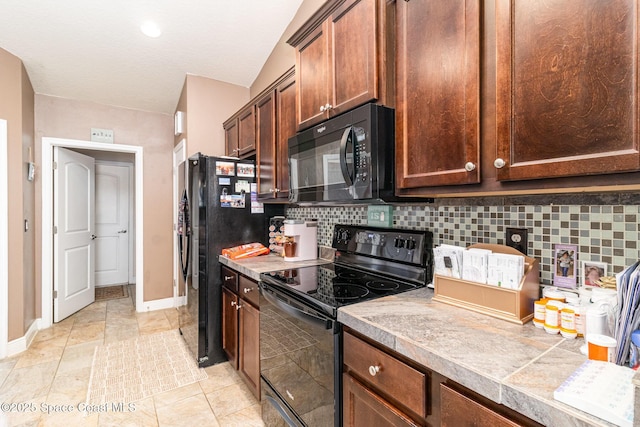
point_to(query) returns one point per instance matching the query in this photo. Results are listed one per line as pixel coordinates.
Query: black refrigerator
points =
(224, 212)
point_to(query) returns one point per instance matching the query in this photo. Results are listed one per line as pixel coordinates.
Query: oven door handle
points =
(324, 322)
(343, 155)
(287, 419)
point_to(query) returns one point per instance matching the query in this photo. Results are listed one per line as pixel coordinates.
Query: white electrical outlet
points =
(102, 135)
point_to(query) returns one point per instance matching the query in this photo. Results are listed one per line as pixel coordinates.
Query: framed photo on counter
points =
(592, 271)
(565, 271)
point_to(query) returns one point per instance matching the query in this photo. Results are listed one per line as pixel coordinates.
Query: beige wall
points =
(208, 103)
(65, 118)
(16, 106)
(283, 56)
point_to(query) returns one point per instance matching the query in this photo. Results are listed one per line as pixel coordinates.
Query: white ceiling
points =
(93, 49)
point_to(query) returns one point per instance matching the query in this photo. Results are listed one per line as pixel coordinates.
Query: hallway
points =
(55, 370)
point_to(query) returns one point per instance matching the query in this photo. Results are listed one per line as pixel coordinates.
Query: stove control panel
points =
(408, 246)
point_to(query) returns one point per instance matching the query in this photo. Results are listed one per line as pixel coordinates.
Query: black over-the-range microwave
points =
(348, 158)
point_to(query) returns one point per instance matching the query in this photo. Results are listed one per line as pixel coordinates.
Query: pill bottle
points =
(554, 294)
(568, 322)
(552, 316)
(539, 309)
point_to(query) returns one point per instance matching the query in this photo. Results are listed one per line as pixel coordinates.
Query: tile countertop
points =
(518, 366)
(252, 267)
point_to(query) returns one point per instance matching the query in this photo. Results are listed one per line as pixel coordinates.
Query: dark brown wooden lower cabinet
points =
(249, 346)
(241, 327)
(362, 407)
(230, 326)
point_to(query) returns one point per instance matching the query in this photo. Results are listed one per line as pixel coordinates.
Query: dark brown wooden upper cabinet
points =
(567, 88)
(339, 59)
(437, 98)
(246, 131)
(231, 136)
(275, 124)
(266, 137)
(286, 128)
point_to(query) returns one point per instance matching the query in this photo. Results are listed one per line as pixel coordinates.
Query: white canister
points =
(597, 321)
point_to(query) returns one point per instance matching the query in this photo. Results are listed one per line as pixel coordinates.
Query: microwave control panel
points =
(362, 160)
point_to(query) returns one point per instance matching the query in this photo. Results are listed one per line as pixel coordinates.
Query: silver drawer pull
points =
(373, 370)
(247, 290)
(228, 277)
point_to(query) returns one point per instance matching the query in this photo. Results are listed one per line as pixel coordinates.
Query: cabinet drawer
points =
(229, 279)
(389, 376)
(248, 290)
(459, 410)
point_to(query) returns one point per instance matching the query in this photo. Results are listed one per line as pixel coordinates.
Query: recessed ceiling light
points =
(150, 29)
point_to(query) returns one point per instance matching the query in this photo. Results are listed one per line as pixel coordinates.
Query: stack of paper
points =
(474, 265)
(505, 270)
(448, 261)
(627, 313)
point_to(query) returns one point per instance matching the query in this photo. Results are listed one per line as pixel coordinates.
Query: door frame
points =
(47, 217)
(4, 241)
(179, 153)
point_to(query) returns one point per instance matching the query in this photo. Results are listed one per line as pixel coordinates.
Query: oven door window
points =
(322, 169)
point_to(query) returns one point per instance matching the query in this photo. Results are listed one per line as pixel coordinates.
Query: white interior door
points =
(112, 224)
(74, 225)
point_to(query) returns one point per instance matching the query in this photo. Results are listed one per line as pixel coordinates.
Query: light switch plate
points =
(380, 215)
(102, 135)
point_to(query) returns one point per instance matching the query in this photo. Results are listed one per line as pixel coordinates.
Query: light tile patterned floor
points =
(53, 374)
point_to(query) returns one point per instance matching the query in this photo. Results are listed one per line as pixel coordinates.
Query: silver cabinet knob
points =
(276, 190)
(238, 307)
(233, 303)
(328, 107)
(322, 108)
(470, 166)
(499, 163)
(373, 370)
(247, 290)
(228, 277)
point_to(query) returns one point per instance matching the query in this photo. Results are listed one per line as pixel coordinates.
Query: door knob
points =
(499, 163)
(122, 231)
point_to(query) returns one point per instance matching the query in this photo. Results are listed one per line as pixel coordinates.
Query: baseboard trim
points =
(158, 304)
(21, 344)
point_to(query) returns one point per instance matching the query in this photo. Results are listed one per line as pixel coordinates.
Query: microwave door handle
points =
(343, 156)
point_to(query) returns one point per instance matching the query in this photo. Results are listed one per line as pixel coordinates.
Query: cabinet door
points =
(312, 77)
(567, 98)
(250, 346)
(231, 137)
(230, 326)
(266, 137)
(246, 131)
(362, 407)
(437, 111)
(353, 71)
(286, 116)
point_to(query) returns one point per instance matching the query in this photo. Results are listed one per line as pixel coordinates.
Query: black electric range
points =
(300, 339)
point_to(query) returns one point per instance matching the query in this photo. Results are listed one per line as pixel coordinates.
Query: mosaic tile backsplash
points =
(605, 233)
